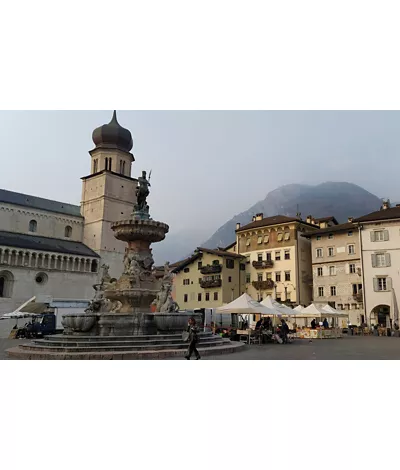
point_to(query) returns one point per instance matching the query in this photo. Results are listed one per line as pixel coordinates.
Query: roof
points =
(33, 242)
(383, 214)
(335, 228)
(229, 246)
(24, 200)
(198, 253)
(327, 219)
(275, 220)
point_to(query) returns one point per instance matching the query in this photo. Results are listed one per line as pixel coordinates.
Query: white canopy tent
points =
(280, 309)
(245, 304)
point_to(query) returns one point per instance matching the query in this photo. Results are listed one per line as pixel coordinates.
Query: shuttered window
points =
(266, 238)
(248, 242)
(259, 240)
(280, 237)
(287, 236)
(380, 236)
(382, 284)
(380, 260)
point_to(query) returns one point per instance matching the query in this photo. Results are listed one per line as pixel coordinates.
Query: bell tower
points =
(109, 192)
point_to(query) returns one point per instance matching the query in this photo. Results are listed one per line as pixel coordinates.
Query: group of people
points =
(325, 324)
(282, 331)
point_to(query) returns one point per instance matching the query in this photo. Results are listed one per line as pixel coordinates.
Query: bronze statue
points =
(142, 192)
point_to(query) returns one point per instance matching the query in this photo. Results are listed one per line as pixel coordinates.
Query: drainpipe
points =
(360, 228)
(298, 269)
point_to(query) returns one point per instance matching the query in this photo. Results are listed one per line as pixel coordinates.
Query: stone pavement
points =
(348, 348)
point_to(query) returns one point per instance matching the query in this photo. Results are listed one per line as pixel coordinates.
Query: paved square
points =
(347, 348)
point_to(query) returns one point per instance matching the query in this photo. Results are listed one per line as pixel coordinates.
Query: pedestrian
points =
(193, 339)
(326, 324)
(285, 331)
(313, 324)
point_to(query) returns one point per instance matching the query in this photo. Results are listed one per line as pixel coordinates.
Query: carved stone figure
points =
(164, 302)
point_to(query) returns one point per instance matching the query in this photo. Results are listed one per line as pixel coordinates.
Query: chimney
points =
(253, 219)
(386, 205)
(237, 225)
(259, 216)
(350, 219)
(309, 218)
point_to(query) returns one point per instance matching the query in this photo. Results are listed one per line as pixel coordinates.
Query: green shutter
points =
(386, 235)
(372, 233)
(375, 284)
(373, 260)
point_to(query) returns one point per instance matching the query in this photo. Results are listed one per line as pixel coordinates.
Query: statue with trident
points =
(142, 192)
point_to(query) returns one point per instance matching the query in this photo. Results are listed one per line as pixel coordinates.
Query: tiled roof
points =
(225, 254)
(19, 199)
(197, 255)
(335, 228)
(33, 242)
(327, 219)
(383, 214)
(275, 220)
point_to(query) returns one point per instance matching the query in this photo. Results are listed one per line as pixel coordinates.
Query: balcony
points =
(263, 264)
(211, 269)
(211, 283)
(359, 296)
(263, 285)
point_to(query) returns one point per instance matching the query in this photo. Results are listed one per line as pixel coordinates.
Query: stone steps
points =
(113, 347)
(227, 347)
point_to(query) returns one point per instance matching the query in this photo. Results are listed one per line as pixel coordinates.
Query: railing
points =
(263, 264)
(211, 283)
(263, 285)
(211, 269)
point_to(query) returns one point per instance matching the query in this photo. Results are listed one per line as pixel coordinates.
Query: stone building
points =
(336, 267)
(278, 258)
(380, 247)
(54, 248)
(209, 279)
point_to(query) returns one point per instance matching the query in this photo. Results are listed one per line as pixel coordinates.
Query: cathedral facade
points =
(57, 249)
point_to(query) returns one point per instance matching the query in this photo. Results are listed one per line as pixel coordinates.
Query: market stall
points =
(319, 314)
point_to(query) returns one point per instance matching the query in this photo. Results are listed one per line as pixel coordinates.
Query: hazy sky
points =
(207, 166)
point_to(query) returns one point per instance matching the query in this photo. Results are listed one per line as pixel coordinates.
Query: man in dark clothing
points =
(258, 324)
(285, 331)
(313, 324)
(193, 339)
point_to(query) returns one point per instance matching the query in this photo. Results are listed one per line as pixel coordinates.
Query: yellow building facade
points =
(209, 279)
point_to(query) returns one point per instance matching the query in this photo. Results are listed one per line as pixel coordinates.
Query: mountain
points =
(341, 200)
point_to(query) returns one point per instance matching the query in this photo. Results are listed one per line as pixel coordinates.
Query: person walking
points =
(193, 339)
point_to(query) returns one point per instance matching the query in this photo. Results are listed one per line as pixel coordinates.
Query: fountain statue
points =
(164, 302)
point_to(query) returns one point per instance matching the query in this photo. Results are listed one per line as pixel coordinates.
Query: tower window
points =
(109, 163)
(33, 226)
(68, 231)
(106, 163)
(123, 168)
(120, 166)
(95, 162)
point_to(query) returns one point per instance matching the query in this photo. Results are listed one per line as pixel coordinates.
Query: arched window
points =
(6, 284)
(106, 164)
(68, 231)
(95, 165)
(123, 168)
(109, 163)
(93, 267)
(33, 226)
(120, 166)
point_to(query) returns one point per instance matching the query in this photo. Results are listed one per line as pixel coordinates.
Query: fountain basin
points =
(148, 230)
(174, 322)
(134, 324)
(79, 322)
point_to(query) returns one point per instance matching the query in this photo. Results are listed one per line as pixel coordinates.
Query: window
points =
(185, 298)
(186, 282)
(380, 284)
(229, 279)
(259, 257)
(248, 278)
(380, 236)
(287, 236)
(350, 233)
(320, 291)
(123, 168)
(199, 265)
(259, 277)
(356, 288)
(352, 268)
(287, 254)
(259, 240)
(230, 263)
(332, 271)
(333, 291)
(269, 276)
(68, 231)
(319, 272)
(33, 226)
(340, 306)
(215, 295)
(278, 276)
(95, 165)
(318, 237)
(248, 242)
(269, 256)
(186, 270)
(242, 267)
(287, 275)
(277, 255)
(351, 249)
(207, 296)
(319, 253)
(266, 238)
(331, 251)
(215, 262)
(330, 236)
(380, 260)
(199, 297)
(280, 237)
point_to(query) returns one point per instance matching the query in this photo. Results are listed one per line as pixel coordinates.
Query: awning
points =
(245, 304)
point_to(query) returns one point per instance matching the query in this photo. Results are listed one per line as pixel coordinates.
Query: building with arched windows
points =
(54, 248)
